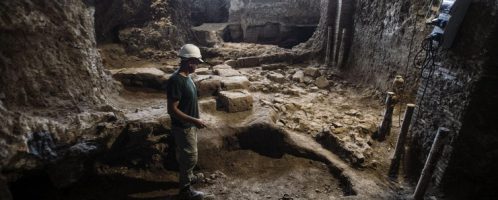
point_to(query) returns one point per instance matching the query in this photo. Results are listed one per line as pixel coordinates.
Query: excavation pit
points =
(258, 162)
(252, 162)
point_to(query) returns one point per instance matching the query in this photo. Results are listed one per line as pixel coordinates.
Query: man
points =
(184, 112)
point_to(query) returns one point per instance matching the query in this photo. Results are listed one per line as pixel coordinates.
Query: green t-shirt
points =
(182, 89)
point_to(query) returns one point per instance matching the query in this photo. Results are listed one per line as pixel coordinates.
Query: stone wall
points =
(461, 95)
(274, 21)
(385, 38)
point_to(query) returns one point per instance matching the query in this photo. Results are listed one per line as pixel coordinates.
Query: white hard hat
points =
(190, 51)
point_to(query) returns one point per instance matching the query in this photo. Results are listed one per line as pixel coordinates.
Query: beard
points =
(191, 68)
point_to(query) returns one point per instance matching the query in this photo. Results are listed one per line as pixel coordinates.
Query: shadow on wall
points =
(472, 169)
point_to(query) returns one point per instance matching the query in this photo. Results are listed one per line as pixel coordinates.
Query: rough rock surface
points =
(209, 11)
(51, 76)
(386, 39)
(149, 29)
(49, 56)
(142, 77)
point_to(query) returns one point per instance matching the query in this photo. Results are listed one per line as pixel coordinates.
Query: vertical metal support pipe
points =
(385, 125)
(426, 174)
(336, 35)
(329, 43)
(400, 145)
(340, 57)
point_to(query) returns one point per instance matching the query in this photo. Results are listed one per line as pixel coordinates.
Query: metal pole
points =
(385, 125)
(426, 174)
(400, 145)
(340, 57)
(329, 43)
(337, 27)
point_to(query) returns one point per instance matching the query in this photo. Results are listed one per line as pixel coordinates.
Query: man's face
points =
(192, 65)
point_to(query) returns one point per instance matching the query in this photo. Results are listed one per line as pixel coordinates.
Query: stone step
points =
(235, 82)
(236, 101)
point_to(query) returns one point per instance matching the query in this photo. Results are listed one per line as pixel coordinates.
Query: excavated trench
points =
(253, 162)
(260, 162)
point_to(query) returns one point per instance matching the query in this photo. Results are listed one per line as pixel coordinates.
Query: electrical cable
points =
(428, 66)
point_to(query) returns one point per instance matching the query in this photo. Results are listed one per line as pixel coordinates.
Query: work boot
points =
(188, 193)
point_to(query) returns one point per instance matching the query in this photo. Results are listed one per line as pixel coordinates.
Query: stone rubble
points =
(335, 123)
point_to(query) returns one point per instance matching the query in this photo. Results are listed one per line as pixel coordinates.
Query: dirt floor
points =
(245, 174)
(297, 142)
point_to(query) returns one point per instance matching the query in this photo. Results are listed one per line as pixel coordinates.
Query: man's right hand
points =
(200, 124)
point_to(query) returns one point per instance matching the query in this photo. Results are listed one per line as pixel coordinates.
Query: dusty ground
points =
(291, 158)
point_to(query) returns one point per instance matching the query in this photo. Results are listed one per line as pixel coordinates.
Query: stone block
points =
(274, 66)
(203, 71)
(236, 101)
(235, 82)
(209, 34)
(232, 63)
(207, 86)
(227, 72)
(322, 82)
(246, 62)
(207, 104)
(277, 77)
(312, 71)
(308, 79)
(142, 77)
(222, 66)
(298, 76)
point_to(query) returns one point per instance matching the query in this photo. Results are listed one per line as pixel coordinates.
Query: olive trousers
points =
(186, 153)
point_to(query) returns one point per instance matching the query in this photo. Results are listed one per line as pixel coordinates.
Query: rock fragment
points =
(322, 82)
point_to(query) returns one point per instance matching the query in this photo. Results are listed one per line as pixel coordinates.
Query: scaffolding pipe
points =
(385, 125)
(336, 35)
(340, 57)
(329, 41)
(400, 145)
(426, 174)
